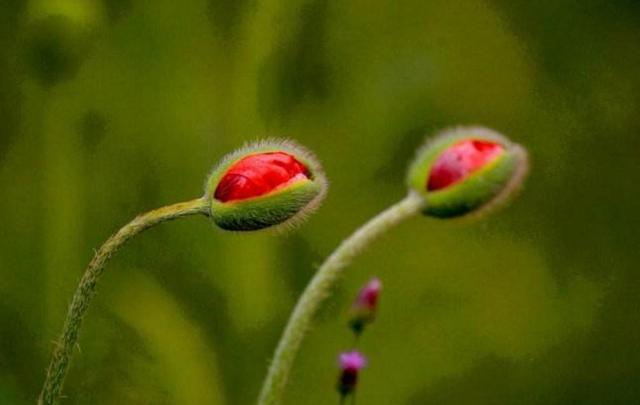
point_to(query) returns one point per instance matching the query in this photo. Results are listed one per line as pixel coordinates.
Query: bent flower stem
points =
(319, 287)
(63, 350)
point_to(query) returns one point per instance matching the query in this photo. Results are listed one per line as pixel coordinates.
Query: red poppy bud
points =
(466, 169)
(265, 184)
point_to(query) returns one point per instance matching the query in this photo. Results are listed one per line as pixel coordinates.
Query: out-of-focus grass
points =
(536, 304)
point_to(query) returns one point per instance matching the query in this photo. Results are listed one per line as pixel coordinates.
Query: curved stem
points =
(61, 356)
(319, 288)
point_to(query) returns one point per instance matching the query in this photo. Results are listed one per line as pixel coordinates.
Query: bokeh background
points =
(112, 107)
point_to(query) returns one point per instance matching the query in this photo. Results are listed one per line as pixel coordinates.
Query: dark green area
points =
(112, 107)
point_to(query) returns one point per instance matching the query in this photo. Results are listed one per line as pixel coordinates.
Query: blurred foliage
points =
(112, 107)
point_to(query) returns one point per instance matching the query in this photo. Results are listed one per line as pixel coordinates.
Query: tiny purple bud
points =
(368, 297)
(350, 363)
(363, 310)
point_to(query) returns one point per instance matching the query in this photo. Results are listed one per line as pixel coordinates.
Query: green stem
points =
(63, 350)
(319, 288)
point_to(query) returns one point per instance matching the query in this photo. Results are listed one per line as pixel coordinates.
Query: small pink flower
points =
(350, 363)
(363, 310)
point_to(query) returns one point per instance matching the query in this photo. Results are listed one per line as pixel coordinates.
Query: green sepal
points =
(360, 318)
(265, 211)
(479, 189)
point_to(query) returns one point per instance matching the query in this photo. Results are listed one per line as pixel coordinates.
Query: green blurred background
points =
(112, 107)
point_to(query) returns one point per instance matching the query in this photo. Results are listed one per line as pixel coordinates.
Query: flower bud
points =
(350, 365)
(466, 169)
(363, 310)
(265, 184)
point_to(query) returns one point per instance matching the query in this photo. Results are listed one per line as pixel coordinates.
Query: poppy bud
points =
(363, 310)
(350, 365)
(466, 169)
(265, 184)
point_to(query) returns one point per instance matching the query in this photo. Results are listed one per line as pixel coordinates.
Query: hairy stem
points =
(318, 289)
(63, 350)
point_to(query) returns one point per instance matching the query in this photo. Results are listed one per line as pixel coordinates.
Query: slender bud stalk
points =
(61, 357)
(320, 286)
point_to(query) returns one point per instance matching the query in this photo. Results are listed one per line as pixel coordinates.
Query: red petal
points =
(460, 160)
(259, 174)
